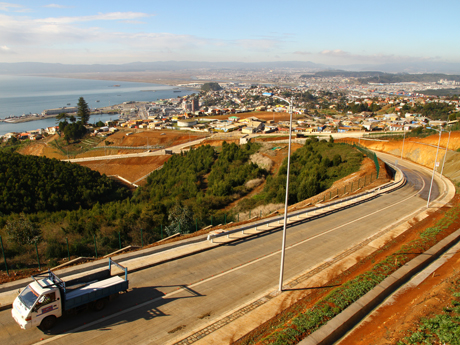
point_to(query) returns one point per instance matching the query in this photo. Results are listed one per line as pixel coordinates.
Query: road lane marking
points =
(144, 304)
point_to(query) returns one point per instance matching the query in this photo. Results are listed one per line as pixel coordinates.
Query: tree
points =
(22, 231)
(181, 219)
(61, 116)
(83, 111)
(74, 131)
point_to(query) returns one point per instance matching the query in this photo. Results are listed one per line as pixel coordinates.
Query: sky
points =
(321, 31)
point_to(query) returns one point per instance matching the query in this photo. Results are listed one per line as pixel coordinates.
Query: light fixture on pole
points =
(283, 245)
(434, 167)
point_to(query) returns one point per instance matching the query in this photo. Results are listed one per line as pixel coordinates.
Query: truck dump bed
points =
(94, 291)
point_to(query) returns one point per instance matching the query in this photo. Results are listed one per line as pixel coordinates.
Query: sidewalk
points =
(149, 257)
(264, 307)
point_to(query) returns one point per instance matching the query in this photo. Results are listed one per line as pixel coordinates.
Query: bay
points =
(6, 127)
(29, 94)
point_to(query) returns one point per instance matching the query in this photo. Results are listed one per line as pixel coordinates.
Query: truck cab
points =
(47, 298)
(39, 304)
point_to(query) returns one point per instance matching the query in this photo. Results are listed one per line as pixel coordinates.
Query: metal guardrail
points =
(145, 147)
(385, 188)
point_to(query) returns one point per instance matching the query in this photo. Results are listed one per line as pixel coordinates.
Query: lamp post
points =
(445, 155)
(434, 168)
(404, 138)
(283, 245)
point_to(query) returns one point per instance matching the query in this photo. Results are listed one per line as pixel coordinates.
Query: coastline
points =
(32, 115)
(39, 118)
(27, 119)
(162, 78)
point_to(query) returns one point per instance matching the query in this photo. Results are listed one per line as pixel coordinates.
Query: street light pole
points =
(404, 138)
(434, 168)
(445, 155)
(283, 245)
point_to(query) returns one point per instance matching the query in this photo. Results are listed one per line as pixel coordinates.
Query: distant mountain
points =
(31, 68)
(407, 67)
(366, 77)
(55, 68)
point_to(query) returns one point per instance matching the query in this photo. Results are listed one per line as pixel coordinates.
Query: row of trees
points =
(30, 184)
(58, 200)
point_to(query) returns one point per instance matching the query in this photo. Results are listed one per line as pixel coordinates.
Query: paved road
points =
(171, 299)
(174, 149)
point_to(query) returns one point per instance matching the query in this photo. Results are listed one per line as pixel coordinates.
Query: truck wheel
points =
(99, 304)
(48, 322)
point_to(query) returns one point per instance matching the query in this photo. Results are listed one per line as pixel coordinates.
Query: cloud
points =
(67, 35)
(8, 7)
(302, 53)
(56, 6)
(122, 16)
(63, 30)
(372, 58)
(336, 52)
(133, 22)
(257, 44)
(6, 50)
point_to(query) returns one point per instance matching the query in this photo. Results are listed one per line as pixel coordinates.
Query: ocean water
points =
(24, 95)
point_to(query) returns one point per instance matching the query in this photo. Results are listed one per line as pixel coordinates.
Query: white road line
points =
(78, 329)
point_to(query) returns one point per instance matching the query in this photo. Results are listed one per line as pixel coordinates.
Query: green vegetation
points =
(50, 201)
(74, 148)
(75, 129)
(211, 87)
(454, 92)
(435, 111)
(314, 168)
(83, 112)
(386, 78)
(340, 73)
(443, 328)
(31, 184)
(184, 178)
(297, 322)
(13, 144)
(382, 77)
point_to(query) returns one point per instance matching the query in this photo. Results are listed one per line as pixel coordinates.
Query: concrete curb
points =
(342, 323)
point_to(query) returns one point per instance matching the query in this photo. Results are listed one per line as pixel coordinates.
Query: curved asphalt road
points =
(174, 298)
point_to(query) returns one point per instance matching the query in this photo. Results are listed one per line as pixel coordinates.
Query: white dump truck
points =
(48, 297)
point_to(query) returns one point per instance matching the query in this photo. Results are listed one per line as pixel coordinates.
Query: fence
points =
(370, 155)
(326, 207)
(349, 188)
(364, 150)
(50, 253)
(53, 252)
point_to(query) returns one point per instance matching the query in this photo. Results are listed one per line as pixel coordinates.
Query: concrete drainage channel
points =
(341, 324)
(307, 214)
(10, 290)
(336, 328)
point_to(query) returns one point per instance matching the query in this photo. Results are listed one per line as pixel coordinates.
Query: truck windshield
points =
(28, 297)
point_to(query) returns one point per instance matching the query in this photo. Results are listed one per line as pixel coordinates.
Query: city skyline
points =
(330, 32)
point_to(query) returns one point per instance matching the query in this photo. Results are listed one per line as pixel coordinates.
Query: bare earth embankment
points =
(395, 321)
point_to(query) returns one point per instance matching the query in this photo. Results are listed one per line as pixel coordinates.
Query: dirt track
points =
(131, 169)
